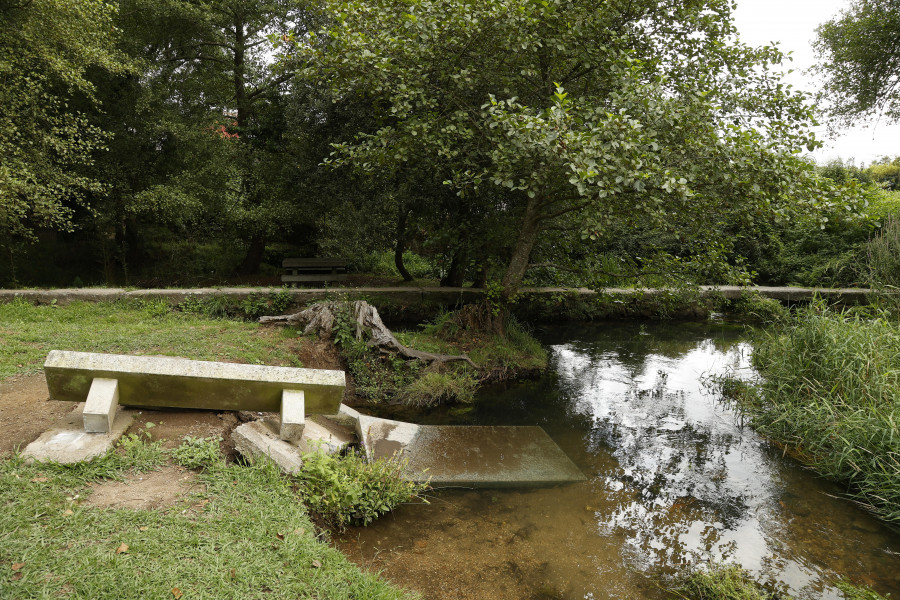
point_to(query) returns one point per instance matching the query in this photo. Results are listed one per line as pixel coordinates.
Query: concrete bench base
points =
(67, 442)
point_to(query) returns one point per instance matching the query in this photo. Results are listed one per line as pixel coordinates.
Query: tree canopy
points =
(859, 54)
(571, 115)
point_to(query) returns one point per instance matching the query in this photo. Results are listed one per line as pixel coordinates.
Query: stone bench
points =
(104, 381)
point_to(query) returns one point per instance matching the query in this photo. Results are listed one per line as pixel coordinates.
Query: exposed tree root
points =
(320, 318)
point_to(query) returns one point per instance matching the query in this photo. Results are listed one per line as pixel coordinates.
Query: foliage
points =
(558, 117)
(830, 393)
(47, 49)
(350, 490)
(723, 582)
(755, 306)
(197, 452)
(854, 592)
(132, 327)
(886, 173)
(251, 308)
(456, 384)
(860, 60)
(242, 534)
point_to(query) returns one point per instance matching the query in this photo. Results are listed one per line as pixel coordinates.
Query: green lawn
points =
(245, 534)
(29, 332)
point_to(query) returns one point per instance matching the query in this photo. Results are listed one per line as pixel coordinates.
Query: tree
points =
(47, 49)
(859, 53)
(552, 115)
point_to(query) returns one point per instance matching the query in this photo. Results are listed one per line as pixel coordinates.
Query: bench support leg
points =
(101, 405)
(292, 415)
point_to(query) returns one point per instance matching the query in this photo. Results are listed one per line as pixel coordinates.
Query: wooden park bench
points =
(106, 380)
(302, 270)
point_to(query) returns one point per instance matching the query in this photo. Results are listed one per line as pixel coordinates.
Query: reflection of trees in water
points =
(671, 493)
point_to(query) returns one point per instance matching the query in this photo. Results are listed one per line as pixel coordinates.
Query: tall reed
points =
(831, 394)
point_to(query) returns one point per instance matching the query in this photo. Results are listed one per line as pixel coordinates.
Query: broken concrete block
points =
(101, 405)
(292, 419)
(67, 442)
(256, 439)
(323, 435)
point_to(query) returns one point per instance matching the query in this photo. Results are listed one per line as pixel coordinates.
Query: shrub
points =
(197, 452)
(349, 490)
(435, 387)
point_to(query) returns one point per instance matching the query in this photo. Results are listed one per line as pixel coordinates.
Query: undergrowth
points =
(380, 378)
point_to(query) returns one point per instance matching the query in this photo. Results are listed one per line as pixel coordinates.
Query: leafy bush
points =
(755, 306)
(198, 452)
(250, 308)
(349, 490)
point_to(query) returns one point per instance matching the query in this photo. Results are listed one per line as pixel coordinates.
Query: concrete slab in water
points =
(470, 456)
(182, 383)
(68, 442)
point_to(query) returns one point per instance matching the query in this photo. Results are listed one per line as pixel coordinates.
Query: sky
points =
(792, 24)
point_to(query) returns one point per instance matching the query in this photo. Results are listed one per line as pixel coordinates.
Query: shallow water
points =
(673, 479)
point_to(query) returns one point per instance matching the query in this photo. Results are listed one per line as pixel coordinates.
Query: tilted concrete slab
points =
(182, 383)
(68, 442)
(256, 439)
(449, 455)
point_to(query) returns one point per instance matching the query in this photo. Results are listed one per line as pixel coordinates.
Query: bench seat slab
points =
(168, 382)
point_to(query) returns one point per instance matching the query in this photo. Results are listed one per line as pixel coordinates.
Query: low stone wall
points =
(404, 295)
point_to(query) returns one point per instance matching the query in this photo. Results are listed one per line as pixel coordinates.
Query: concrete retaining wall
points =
(407, 296)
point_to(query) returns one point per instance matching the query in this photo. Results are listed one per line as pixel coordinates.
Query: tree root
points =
(320, 319)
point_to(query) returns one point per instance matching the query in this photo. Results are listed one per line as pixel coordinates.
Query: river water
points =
(674, 479)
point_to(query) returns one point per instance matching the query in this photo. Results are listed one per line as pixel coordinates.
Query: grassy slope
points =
(29, 332)
(246, 535)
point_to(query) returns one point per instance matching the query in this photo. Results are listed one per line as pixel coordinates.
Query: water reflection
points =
(674, 479)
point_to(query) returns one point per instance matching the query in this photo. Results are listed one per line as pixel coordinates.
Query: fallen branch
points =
(320, 319)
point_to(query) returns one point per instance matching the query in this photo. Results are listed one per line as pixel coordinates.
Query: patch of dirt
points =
(145, 491)
(319, 354)
(26, 411)
(171, 426)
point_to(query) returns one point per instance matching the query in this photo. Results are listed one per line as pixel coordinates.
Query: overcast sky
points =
(792, 23)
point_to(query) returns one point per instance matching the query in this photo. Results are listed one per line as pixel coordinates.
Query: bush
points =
(197, 452)
(350, 490)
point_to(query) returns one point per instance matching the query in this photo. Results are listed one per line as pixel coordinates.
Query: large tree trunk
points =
(254, 256)
(401, 244)
(518, 262)
(455, 274)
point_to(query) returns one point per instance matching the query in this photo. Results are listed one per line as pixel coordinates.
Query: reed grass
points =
(830, 393)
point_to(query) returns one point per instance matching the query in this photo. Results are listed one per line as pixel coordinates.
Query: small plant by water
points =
(350, 490)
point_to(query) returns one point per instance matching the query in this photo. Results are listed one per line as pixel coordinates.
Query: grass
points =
(732, 582)
(245, 535)
(29, 332)
(830, 394)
